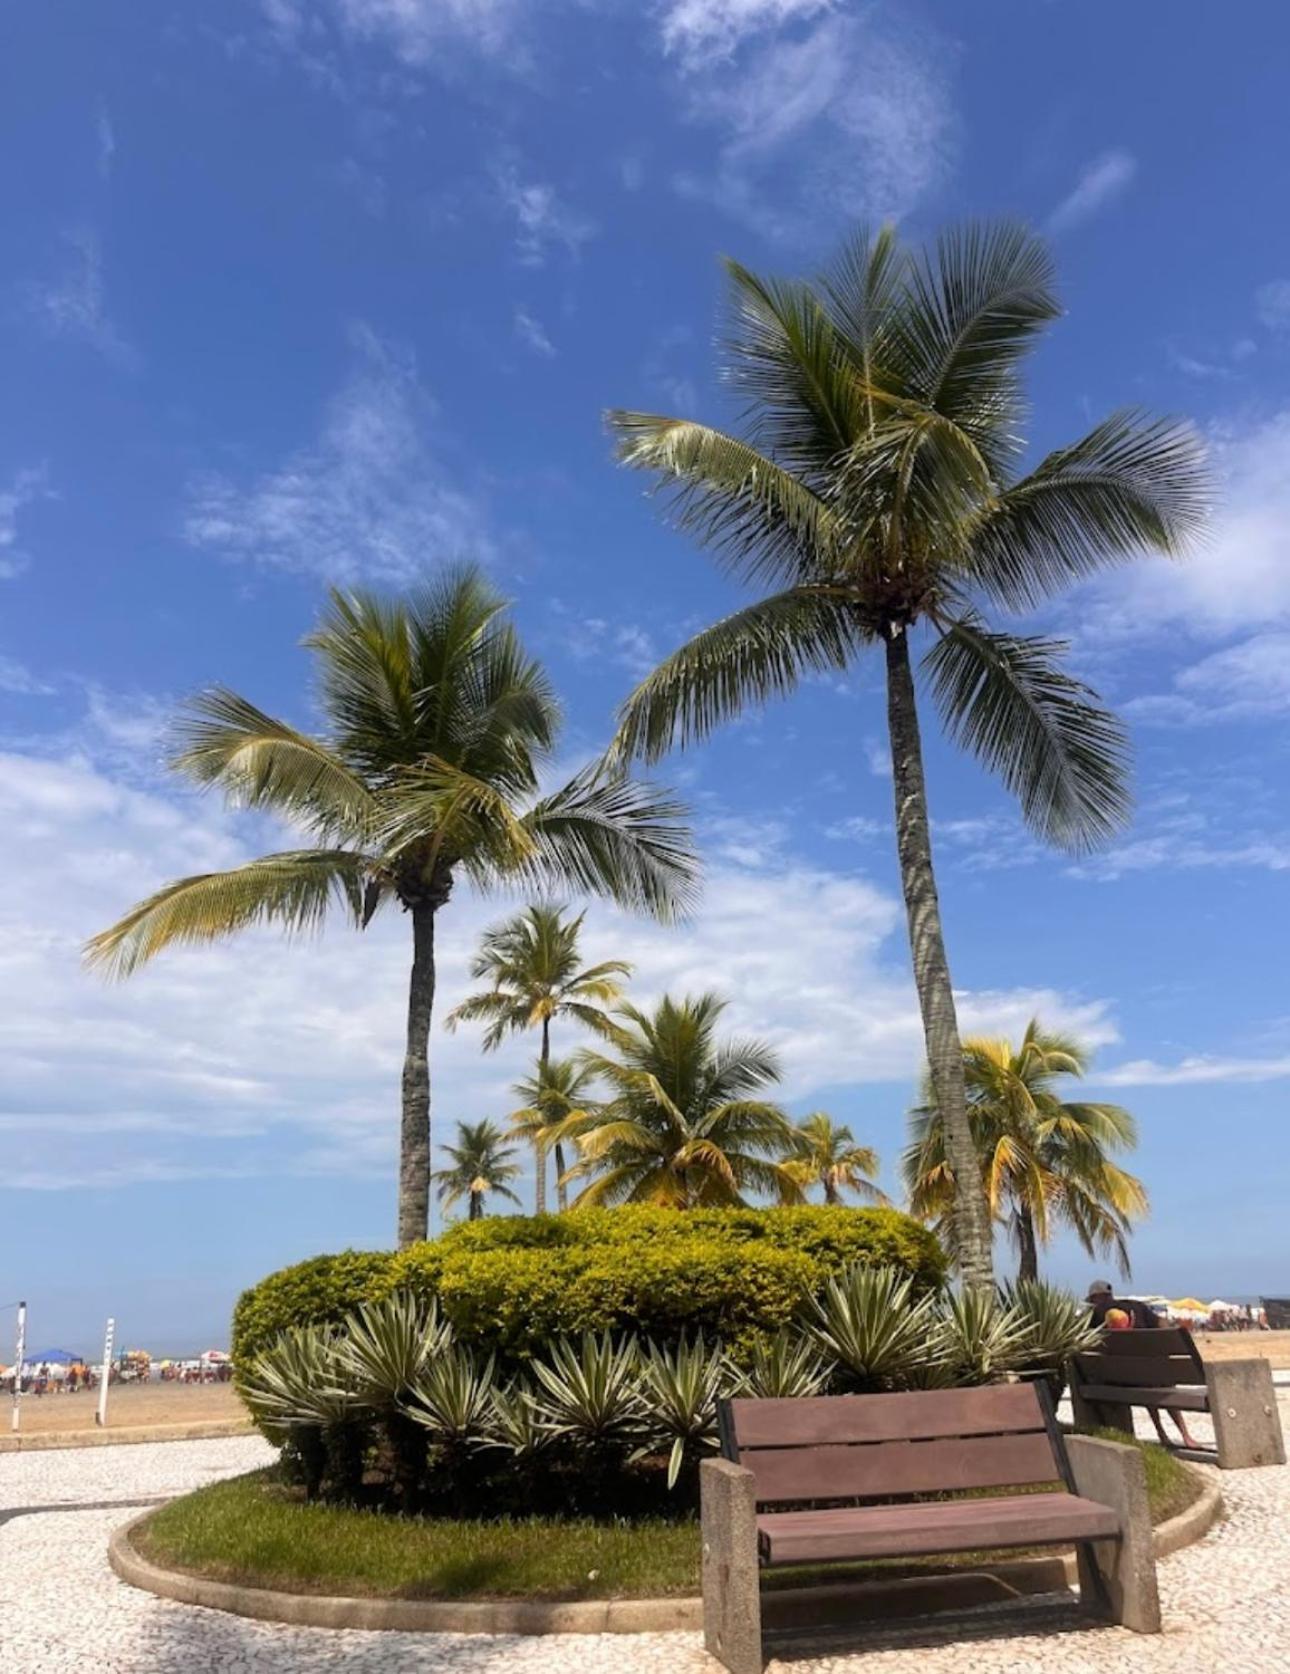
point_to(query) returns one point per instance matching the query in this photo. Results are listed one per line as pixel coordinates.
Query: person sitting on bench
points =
(1137, 1317)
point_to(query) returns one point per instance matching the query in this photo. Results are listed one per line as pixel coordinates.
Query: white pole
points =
(17, 1364)
(100, 1416)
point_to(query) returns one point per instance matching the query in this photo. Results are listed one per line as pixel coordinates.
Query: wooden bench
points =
(835, 1478)
(1164, 1369)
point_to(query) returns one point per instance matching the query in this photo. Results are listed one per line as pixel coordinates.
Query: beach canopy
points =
(49, 1357)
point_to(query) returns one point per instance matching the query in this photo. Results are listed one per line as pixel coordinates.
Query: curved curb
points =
(36, 1441)
(640, 1615)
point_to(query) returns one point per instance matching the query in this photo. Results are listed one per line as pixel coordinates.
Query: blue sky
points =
(301, 291)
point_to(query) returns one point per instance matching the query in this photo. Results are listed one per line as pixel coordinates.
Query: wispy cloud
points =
(1250, 678)
(368, 498)
(532, 333)
(25, 486)
(1194, 1071)
(1100, 184)
(17, 678)
(700, 32)
(73, 304)
(1272, 304)
(104, 141)
(416, 31)
(850, 118)
(543, 221)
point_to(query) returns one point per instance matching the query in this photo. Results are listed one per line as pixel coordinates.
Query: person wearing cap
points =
(1102, 1301)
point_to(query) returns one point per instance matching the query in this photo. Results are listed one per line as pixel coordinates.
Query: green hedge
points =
(508, 1284)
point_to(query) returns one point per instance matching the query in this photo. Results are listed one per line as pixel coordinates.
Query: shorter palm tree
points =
(832, 1159)
(556, 1100)
(1044, 1162)
(481, 1163)
(683, 1126)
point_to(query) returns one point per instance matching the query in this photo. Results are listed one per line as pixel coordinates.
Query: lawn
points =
(253, 1531)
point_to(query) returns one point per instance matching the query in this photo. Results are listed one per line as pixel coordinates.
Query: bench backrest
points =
(852, 1447)
(1160, 1359)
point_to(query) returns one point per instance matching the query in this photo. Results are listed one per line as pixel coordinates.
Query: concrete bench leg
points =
(1113, 1474)
(1243, 1405)
(731, 1577)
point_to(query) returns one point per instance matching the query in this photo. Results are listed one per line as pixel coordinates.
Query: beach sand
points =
(131, 1406)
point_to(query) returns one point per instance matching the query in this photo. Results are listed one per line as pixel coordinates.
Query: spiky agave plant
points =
(384, 1348)
(870, 1322)
(679, 1389)
(591, 1388)
(453, 1400)
(516, 1423)
(1059, 1327)
(299, 1391)
(785, 1366)
(979, 1338)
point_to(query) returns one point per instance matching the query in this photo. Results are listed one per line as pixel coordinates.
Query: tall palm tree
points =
(481, 1163)
(1044, 1161)
(531, 960)
(874, 493)
(437, 723)
(556, 1096)
(682, 1126)
(832, 1159)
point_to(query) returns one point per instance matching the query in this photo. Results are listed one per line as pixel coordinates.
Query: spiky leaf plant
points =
(679, 1390)
(591, 1388)
(871, 1324)
(786, 1366)
(979, 1339)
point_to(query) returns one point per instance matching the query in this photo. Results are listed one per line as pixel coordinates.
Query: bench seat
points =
(1173, 1398)
(928, 1527)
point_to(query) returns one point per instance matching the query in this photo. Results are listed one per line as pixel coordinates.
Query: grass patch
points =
(252, 1531)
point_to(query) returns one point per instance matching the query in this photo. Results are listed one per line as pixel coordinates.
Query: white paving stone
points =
(1227, 1600)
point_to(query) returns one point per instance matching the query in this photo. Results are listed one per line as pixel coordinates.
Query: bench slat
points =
(1142, 1395)
(1137, 1369)
(921, 1416)
(945, 1526)
(1165, 1340)
(903, 1467)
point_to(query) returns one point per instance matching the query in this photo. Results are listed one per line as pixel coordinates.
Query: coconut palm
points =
(682, 1125)
(556, 1097)
(1045, 1162)
(481, 1163)
(531, 961)
(873, 494)
(437, 725)
(832, 1159)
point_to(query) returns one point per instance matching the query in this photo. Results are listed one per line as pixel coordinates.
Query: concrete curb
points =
(37, 1441)
(644, 1615)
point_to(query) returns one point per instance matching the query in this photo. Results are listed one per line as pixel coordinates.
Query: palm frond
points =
(293, 890)
(1063, 755)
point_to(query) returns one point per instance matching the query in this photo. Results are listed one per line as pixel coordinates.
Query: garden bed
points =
(253, 1531)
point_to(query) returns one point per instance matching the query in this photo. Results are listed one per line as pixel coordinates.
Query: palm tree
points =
(682, 1126)
(481, 1163)
(874, 490)
(531, 961)
(832, 1159)
(1044, 1161)
(437, 725)
(554, 1095)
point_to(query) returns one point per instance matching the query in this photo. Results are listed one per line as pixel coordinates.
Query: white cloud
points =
(1104, 180)
(532, 333)
(1145, 1072)
(700, 31)
(1272, 304)
(626, 644)
(17, 678)
(368, 498)
(25, 486)
(74, 304)
(262, 1056)
(543, 221)
(852, 119)
(415, 30)
(1250, 678)
(104, 141)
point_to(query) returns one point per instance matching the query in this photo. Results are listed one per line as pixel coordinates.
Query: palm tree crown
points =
(832, 1159)
(532, 963)
(437, 724)
(875, 490)
(557, 1100)
(682, 1125)
(1044, 1161)
(481, 1163)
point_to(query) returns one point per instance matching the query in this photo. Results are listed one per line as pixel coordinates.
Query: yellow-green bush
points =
(507, 1285)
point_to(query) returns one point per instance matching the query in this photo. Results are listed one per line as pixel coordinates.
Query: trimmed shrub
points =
(508, 1285)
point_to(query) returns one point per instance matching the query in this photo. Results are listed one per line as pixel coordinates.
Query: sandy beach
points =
(131, 1406)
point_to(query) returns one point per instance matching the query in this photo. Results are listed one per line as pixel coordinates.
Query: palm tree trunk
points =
(1027, 1247)
(561, 1190)
(831, 1194)
(414, 1147)
(972, 1234)
(476, 1206)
